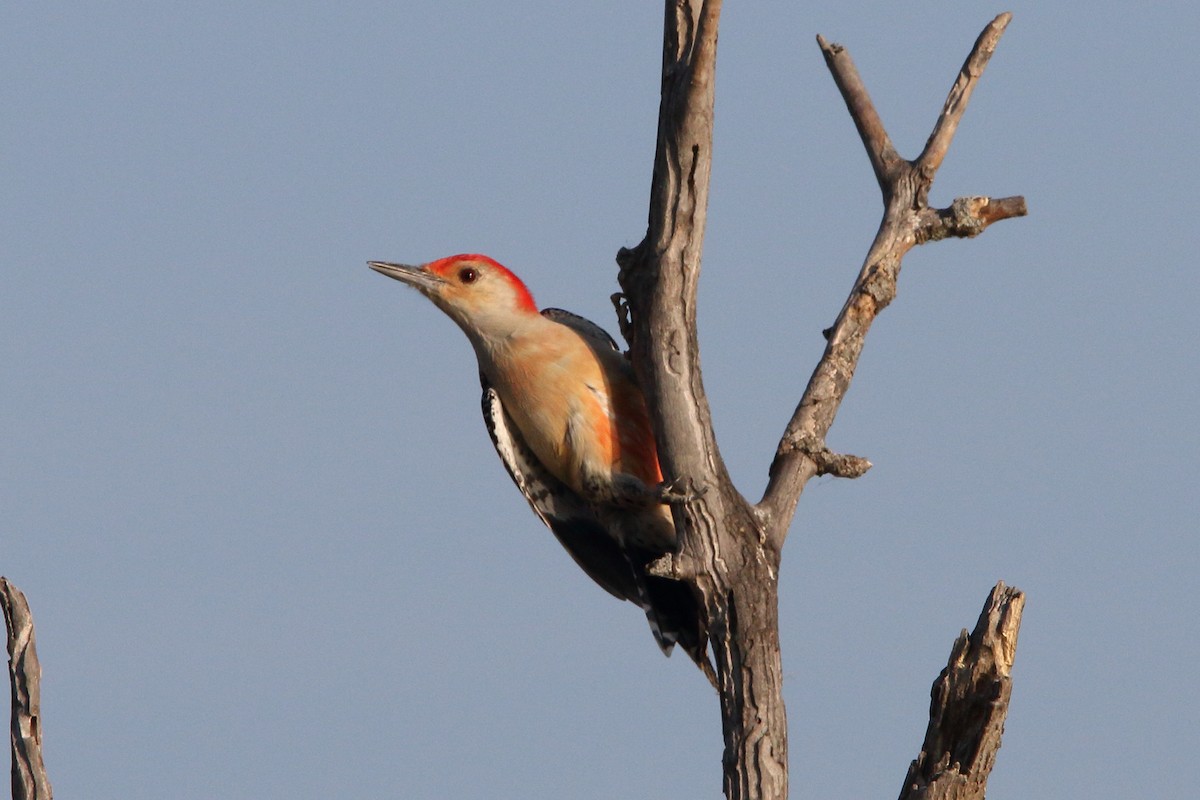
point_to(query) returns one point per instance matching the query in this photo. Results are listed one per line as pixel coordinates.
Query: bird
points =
(570, 423)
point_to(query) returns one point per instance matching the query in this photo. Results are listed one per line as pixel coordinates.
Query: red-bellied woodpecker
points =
(571, 426)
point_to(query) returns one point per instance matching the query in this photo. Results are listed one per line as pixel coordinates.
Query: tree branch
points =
(968, 705)
(874, 135)
(939, 140)
(29, 779)
(966, 217)
(907, 221)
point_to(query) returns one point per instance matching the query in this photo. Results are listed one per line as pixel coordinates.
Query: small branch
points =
(956, 102)
(29, 780)
(828, 462)
(907, 221)
(880, 150)
(969, 702)
(966, 217)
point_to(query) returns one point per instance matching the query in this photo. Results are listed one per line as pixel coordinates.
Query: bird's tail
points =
(675, 618)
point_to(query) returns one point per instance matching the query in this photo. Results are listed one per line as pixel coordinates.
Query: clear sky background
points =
(245, 484)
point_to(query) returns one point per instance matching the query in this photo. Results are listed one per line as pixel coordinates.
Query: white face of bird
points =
(483, 297)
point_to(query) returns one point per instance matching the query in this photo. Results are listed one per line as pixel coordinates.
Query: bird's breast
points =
(578, 410)
(544, 387)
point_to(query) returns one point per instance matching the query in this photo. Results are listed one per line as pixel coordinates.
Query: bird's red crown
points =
(447, 266)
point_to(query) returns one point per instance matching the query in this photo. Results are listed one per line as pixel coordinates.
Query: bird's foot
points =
(679, 490)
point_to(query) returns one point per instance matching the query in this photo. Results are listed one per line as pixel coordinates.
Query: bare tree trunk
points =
(730, 548)
(725, 555)
(29, 780)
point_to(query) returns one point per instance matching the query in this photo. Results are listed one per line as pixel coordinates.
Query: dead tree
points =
(29, 781)
(730, 548)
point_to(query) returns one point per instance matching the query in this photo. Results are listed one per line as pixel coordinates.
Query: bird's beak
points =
(416, 277)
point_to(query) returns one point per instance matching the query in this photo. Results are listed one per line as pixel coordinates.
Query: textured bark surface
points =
(29, 781)
(729, 548)
(968, 705)
(724, 554)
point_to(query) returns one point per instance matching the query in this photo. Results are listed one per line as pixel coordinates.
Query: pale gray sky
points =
(247, 490)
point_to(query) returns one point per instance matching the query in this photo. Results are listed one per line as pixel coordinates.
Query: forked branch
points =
(907, 221)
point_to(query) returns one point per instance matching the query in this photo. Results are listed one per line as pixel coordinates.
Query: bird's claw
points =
(679, 490)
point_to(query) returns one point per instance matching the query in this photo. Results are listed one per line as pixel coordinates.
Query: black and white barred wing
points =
(572, 521)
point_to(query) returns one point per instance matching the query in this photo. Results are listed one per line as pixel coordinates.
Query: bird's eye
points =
(467, 275)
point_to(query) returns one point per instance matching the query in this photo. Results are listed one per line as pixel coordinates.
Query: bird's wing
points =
(672, 612)
(580, 325)
(572, 521)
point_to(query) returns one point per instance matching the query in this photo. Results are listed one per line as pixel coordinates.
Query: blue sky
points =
(244, 482)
